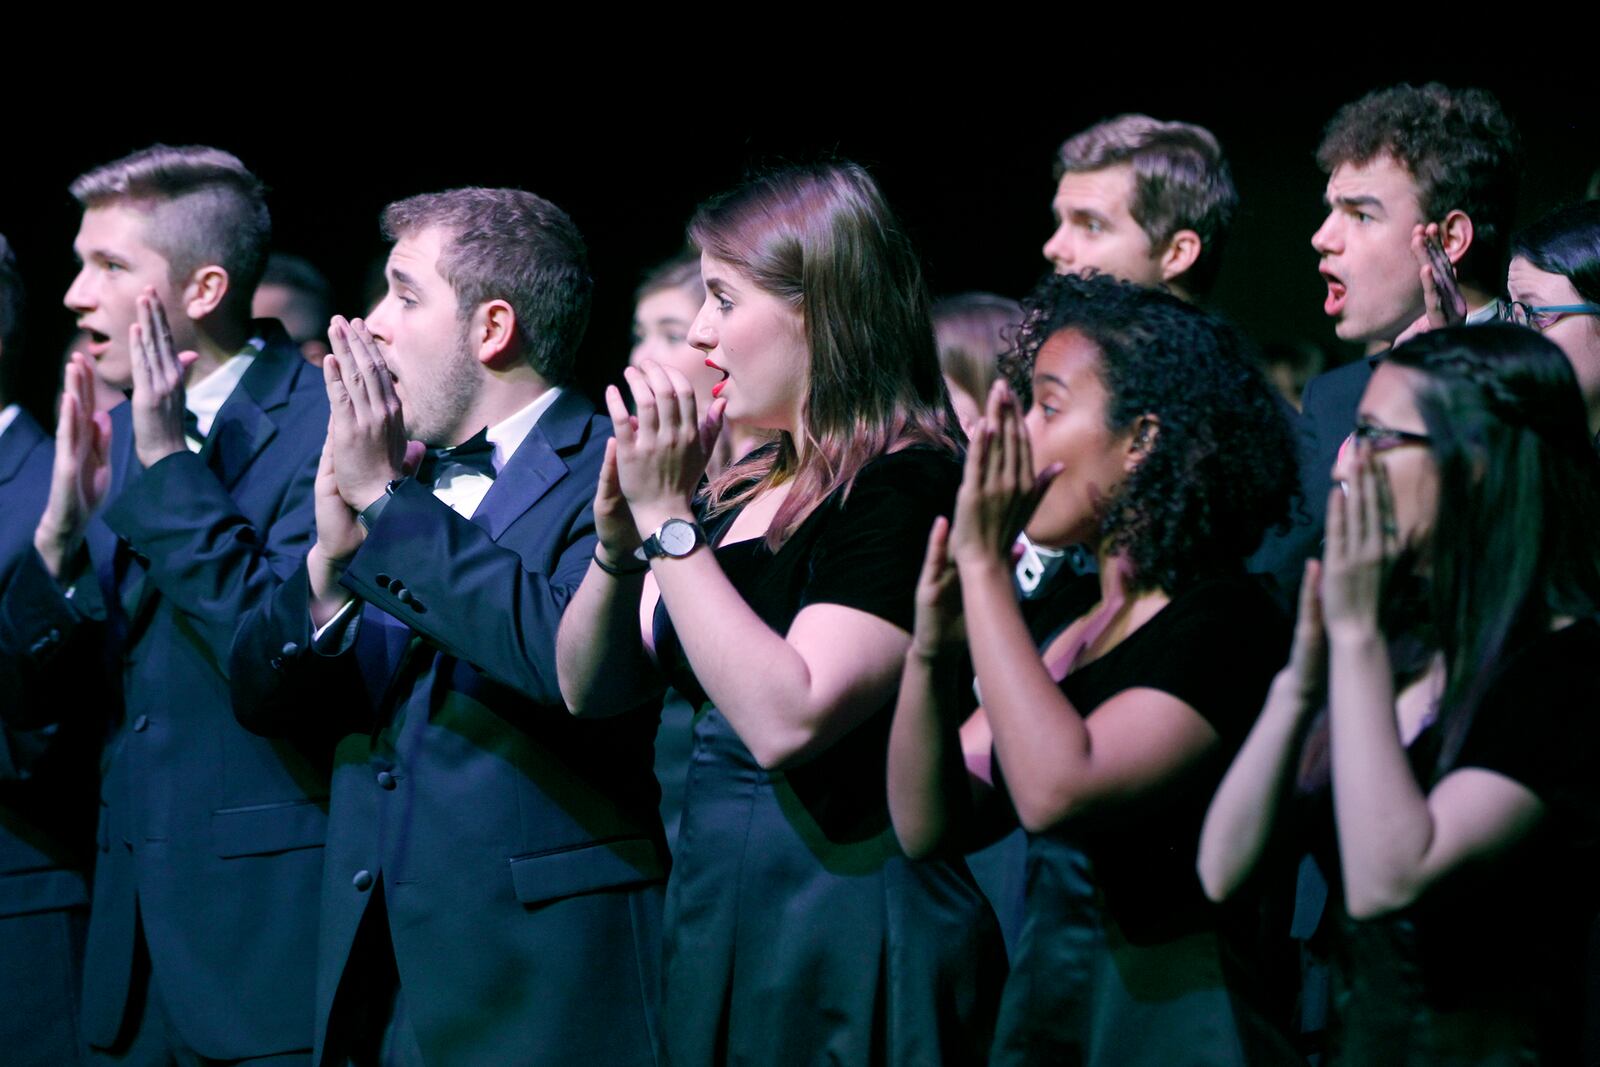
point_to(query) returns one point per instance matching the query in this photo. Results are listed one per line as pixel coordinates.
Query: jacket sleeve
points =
(480, 601)
(203, 554)
(283, 687)
(52, 647)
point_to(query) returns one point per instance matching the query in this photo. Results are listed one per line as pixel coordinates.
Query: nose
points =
(1058, 250)
(79, 298)
(1326, 239)
(379, 324)
(702, 334)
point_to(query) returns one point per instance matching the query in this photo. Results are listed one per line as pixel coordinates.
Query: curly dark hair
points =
(1221, 470)
(1458, 145)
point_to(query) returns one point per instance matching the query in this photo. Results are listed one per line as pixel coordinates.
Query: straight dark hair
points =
(1520, 483)
(1566, 242)
(822, 238)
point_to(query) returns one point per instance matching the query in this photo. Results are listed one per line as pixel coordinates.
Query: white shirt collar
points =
(206, 397)
(508, 434)
(8, 415)
(463, 490)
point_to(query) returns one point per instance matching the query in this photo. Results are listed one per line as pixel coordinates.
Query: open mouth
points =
(716, 390)
(1333, 304)
(97, 342)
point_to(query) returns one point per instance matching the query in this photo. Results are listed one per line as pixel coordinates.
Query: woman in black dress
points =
(1152, 437)
(796, 931)
(1450, 795)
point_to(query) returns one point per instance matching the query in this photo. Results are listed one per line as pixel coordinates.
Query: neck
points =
(216, 343)
(501, 395)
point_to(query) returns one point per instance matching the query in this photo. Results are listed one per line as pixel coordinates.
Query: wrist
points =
(55, 547)
(982, 565)
(1353, 634)
(651, 517)
(150, 455)
(934, 652)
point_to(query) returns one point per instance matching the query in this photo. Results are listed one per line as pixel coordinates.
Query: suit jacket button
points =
(386, 780)
(54, 635)
(141, 724)
(405, 597)
(362, 880)
(276, 663)
(290, 649)
(383, 581)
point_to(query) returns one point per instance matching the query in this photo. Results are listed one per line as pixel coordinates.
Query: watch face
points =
(677, 537)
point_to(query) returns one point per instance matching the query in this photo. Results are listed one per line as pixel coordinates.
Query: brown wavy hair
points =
(822, 238)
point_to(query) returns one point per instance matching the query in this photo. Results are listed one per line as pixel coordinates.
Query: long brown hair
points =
(823, 239)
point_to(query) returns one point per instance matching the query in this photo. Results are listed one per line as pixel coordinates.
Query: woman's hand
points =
(999, 489)
(939, 624)
(1360, 544)
(1307, 669)
(661, 452)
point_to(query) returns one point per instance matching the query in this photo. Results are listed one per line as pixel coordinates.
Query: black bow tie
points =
(191, 427)
(475, 455)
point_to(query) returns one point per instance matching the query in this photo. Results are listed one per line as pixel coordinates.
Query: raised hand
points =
(366, 425)
(339, 535)
(158, 373)
(82, 471)
(1361, 542)
(939, 625)
(1441, 293)
(999, 488)
(1308, 658)
(661, 452)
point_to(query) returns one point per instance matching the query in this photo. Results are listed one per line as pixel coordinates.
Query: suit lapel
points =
(536, 465)
(17, 443)
(243, 426)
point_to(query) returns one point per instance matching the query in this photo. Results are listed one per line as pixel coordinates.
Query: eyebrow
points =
(404, 279)
(1053, 380)
(1359, 202)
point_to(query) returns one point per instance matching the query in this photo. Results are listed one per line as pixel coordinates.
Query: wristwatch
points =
(675, 537)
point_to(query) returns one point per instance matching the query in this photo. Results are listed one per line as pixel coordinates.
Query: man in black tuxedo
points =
(165, 522)
(47, 776)
(1397, 159)
(494, 869)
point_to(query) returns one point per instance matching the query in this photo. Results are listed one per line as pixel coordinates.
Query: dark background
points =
(966, 162)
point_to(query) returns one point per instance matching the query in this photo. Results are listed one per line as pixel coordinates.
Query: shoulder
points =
(1329, 393)
(1539, 720)
(916, 473)
(1238, 601)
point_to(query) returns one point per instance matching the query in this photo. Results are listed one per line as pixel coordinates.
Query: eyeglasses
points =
(1543, 317)
(1383, 438)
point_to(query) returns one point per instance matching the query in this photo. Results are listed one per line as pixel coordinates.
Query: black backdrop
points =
(966, 161)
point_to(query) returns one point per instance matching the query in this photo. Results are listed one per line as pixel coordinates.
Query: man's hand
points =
(158, 372)
(339, 535)
(1441, 293)
(82, 471)
(366, 427)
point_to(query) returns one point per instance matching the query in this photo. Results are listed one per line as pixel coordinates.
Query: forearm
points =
(205, 555)
(280, 686)
(1240, 820)
(600, 659)
(930, 799)
(759, 682)
(1380, 811)
(1040, 739)
(51, 643)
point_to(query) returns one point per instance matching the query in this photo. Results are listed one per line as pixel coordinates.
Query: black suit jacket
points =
(1329, 410)
(209, 837)
(47, 810)
(519, 849)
